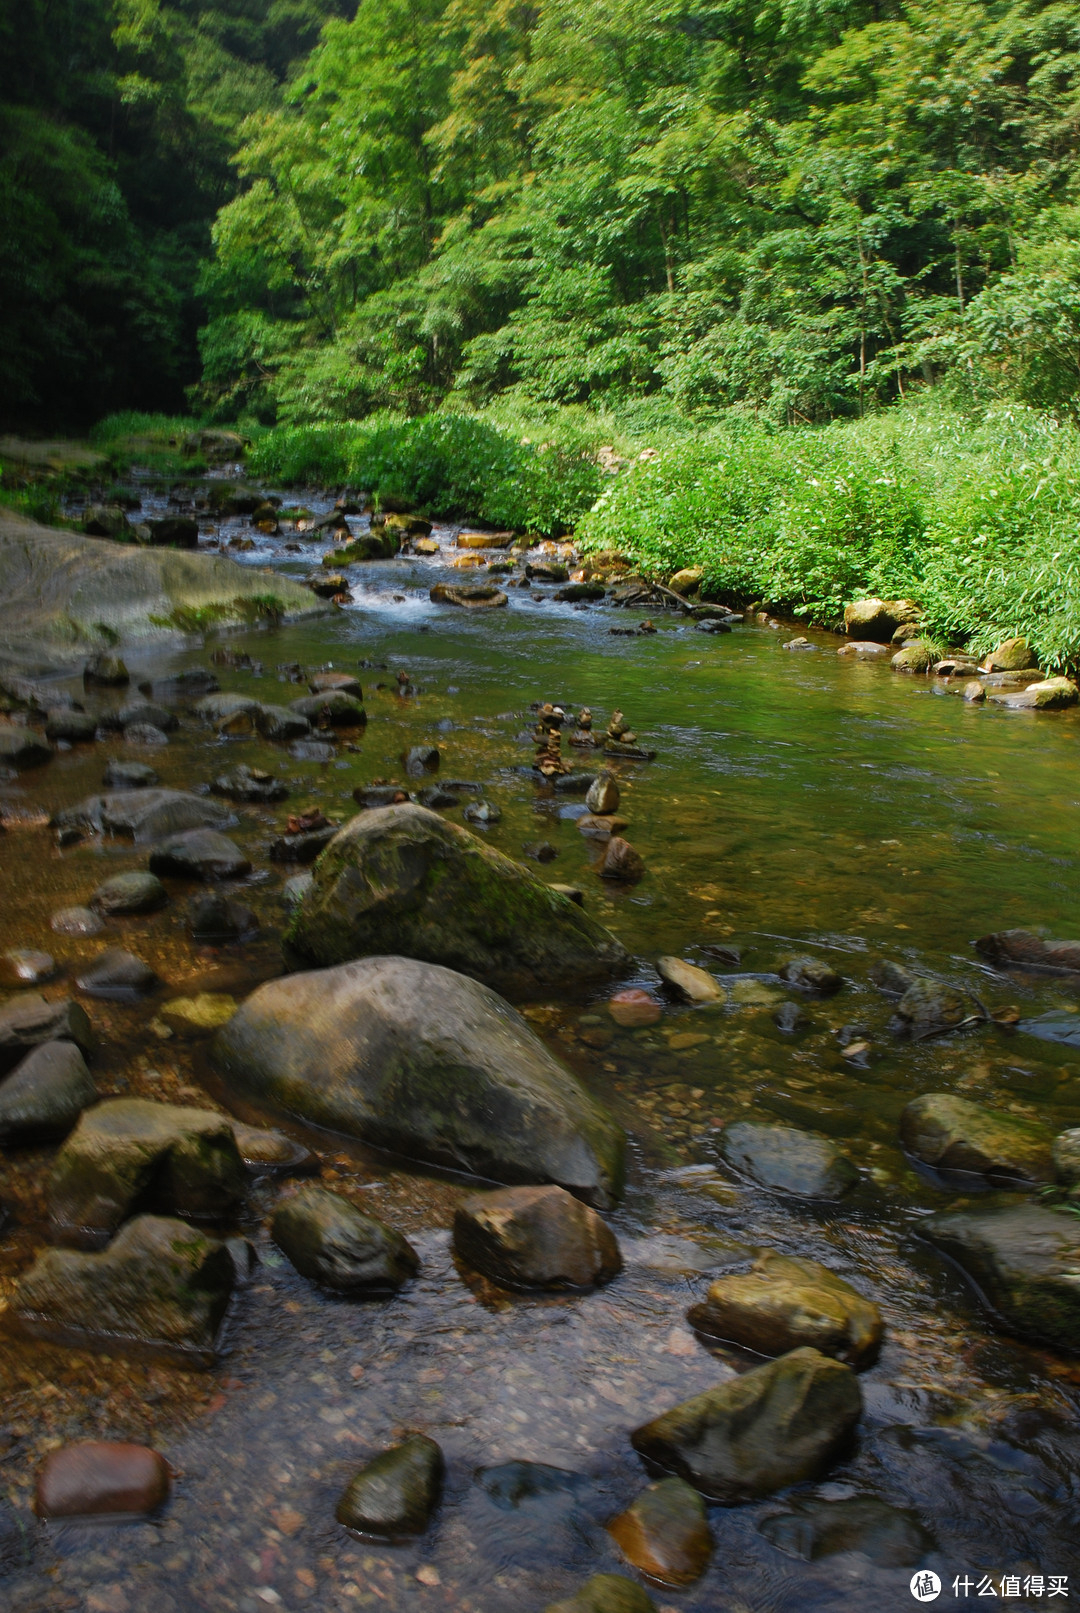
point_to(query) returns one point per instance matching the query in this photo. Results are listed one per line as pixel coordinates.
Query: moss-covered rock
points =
(401, 880)
(783, 1302)
(606, 1593)
(395, 1495)
(953, 1134)
(428, 1063)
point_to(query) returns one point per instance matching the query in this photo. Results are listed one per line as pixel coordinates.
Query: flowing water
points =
(798, 803)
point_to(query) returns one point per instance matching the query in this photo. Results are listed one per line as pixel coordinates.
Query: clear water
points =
(797, 803)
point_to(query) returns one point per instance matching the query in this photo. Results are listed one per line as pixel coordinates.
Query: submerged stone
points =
(395, 1495)
(96, 1478)
(130, 893)
(787, 1160)
(606, 1593)
(200, 1015)
(144, 815)
(812, 1529)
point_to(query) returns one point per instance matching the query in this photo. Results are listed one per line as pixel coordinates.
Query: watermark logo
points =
(925, 1586)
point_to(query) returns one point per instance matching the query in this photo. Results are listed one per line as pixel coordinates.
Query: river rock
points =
(414, 1058)
(173, 531)
(401, 879)
(222, 710)
(787, 1160)
(215, 920)
(73, 727)
(421, 759)
(664, 1533)
(930, 1007)
(953, 1134)
(333, 709)
(535, 1237)
(622, 862)
(160, 1284)
(812, 1529)
(811, 974)
(1066, 1155)
(891, 977)
(974, 692)
(687, 981)
(475, 596)
(141, 713)
(266, 1151)
(1022, 1260)
(281, 724)
(1049, 695)
(46, 1094)
(129, 1151)
(342, 682)
(869, 620)
(97, 1478)
(145, 733)
(199, 854)
(790, 1017)
(200, 1015)
(23, 966)
(143, 814)
(634, 1007)
(1012, 655)
(783, 1302)
(606, 1593)
(295, 889)
(304, 847)
(1030, 951)
(866, 650)
(107, 671)
(129, 775)
(483, 813)
(396, 1494)
(333, 1243)
(30, 1021)
(77, 921)
(22, 747)
(778, 1424)
(129, 893)
(117, 976)
(249, 784)
(916, 656)
(602, 796)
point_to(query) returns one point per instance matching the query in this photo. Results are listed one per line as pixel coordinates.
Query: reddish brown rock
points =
(665, 1533)
(621, 861)
(634, 1007)
(101, 1478)
(536, 1237)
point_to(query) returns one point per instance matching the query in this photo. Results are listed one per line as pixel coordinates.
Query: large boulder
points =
(30, 1021)
(1049, 695)
(787, 1160)
(402, 880)
(1022, 1260)
(778, 1424)
(783, 1302)
(144, 815)
(130, 1151)
(535, 1237)
(333, 1243)
(415, 1058)
(953, 1134)
(869, 621)
(159, 1285)
(930, 1008)
(1013, 655)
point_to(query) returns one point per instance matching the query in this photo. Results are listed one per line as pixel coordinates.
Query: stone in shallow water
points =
(117, 976)
(783, 1302)
(130, 893)
(160, 1285)
(622, 862)
(263, 1150)
(602, 795)
(1067, 1157)
(129, 776)
(76, 921)
(130, 1151)
(606, 1593)
(813, 1529)
(295, 889)
(108, 671)
(144, 733)
(1025, 949)
(535, 1237)
(22, 966)
(778, 1424)
(331, 1242)
(929, 1008)
(21, 747)
(200, 1015)
(953, 1134)
(144, 815)
(216, 920)
(634, 1007)
(664, 1534)
(249, 784)
(689, 982)
(199, 854)
(29, 1021)
(142, 714)
(312, 750)
(787, 1160)
(395, 1495)
(45, 1095)
(334, 710)
(810, 974)
(73, 727)
(101, 1478)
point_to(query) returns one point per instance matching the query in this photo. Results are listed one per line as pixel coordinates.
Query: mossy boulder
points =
(428, 1063)
(395, 1495)
(930, 1008)
(1013, 655)
(953, 1134)
(783, 1302)
(401, 880)
(1022, 1260)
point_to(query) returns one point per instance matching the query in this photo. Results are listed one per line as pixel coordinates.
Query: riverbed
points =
(799, 802)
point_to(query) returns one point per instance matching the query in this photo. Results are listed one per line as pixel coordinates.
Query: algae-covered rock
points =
(129, 1151)
(1013, 655)
(333, 1243)
(199, 1015)
(606, 1593)
(788, 1160)
(1023, 1260)
(159, 1285)
(1024, 949)
(784, 1302)
(430, 1064)
(930, 1007)
(954, 1134)
(778, 1424)
(129, 893)
(664, 1533)
(813, 1528)
(401, 880)
(395, 1495)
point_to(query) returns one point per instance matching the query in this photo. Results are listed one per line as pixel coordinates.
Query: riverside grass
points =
(976, 516)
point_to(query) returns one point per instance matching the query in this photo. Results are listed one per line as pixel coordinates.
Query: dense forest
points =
(301, 210)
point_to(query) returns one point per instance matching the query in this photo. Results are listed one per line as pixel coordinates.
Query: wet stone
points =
(783, 1302)
(622, 862)
(333, 709)
(689, 982)
(45, 1095)
(481, 812)
(1025, 950)
(101, 1478)
(108, 671)
(929, 1008)
(141, 713)
(890, 977)
(370, 796)
(664, 1533)
(76, 921)
(271, 1151)
(886, 1535)
(787, 1160)
(30, 1021)
(249, 784)
(200, 1015)
(811, 975)
(129, 893)
(541, 851)
(21, 747)
(634, 1007)
(953, 1134)
(74, 727)
(778, 1424)
(216, 920)
(602, 796)
(790, 1017)
(535, 1237)
(304, 847)
(24, 967)
(144, 815)
(421, 759)
(121, 775)
(117, 976)
(296, 888)
(144, 733)
(606, 1593)
(395, 1495)
(332, 1243)
(199, 854)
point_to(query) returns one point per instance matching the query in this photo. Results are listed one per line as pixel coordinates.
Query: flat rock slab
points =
(776, 1425)
(200, 1015)
(30, 1020)
(664, 1533)
(45, 1096)
(787, 1160)
(401, 880)
(952, 1134)
(689, 982)
(1022, 1260)
(535, 1237)
(333, 1243)
(117, 976)
(428, 1063)
(97, 1478)
(199, 854)
(144, 815)
(128, 1151)
(161, 1287)
(783, 1302)
(394, 1496)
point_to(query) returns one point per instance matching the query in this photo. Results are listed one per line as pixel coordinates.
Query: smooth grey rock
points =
(123, 775)
(74, 727)
(249, 784)
(30, 1020)
(142, 713)
(787, 1160)
(333, 1243)
(215, 920)
(130, 893)
(77, 921)
(145, 815)
(199, 854)
(1022, 1260)
(45, 1095)
(117, 976)
(22, 747)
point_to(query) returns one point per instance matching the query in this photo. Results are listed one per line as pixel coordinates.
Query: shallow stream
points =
(798, 803)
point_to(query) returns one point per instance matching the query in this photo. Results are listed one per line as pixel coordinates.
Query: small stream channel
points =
(798, 802)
